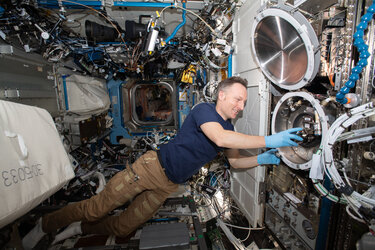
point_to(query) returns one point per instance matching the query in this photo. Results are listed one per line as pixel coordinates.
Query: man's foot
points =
(71, 230)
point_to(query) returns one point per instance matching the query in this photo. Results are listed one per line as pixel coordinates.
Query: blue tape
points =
(65, 92)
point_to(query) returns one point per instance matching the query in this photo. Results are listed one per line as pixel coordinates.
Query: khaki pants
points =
(149, 193)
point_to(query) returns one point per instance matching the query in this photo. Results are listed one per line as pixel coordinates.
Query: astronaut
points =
(147, 183)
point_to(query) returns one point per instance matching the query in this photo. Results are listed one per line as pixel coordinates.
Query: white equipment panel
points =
(247, 185)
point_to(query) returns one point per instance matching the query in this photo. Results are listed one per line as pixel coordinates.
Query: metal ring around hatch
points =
(282, 119)
(285, 47)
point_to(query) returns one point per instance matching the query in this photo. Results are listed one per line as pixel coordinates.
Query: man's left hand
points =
(268, 157)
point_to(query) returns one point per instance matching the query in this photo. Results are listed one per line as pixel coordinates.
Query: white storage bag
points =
(33, 161)
(86, 95)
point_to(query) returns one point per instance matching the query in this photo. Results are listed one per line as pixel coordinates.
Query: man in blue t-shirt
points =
(207, 130)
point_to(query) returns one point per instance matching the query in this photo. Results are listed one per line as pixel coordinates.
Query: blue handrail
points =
(359, 43)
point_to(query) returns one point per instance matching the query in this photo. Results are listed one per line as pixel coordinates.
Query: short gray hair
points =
(229, 82)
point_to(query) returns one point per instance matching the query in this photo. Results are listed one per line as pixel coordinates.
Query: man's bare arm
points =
(230, 139)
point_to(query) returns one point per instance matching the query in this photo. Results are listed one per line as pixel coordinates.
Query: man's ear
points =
(221, 95)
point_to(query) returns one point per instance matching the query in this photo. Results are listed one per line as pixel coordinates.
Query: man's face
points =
(233, 100)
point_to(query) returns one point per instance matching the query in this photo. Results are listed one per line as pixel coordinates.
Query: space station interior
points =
(87, 87)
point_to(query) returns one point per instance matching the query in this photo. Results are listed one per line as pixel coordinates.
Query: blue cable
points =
(359, 43)
(180, 25)
(213, 181)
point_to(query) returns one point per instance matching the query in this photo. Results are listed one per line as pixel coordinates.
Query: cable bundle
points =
(361, 204)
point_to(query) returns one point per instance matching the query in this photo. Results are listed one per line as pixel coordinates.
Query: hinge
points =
(262, 193)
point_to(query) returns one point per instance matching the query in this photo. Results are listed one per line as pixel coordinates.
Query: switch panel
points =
(293, 224)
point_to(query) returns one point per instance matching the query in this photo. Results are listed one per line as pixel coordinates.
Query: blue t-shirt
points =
(183, 156)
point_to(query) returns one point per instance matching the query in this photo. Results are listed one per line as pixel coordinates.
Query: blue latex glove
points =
(283, 139)
(268, 157)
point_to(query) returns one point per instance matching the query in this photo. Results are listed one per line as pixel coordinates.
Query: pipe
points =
(180, 25)
(70, 5)
(99, 4)
(141, 4)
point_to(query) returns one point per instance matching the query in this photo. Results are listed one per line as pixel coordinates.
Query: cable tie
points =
(347, 190)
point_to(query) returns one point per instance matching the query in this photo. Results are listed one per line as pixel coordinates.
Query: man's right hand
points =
(283, 139)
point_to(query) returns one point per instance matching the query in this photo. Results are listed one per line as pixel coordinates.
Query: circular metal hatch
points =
(285, 47)
(300, 109)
